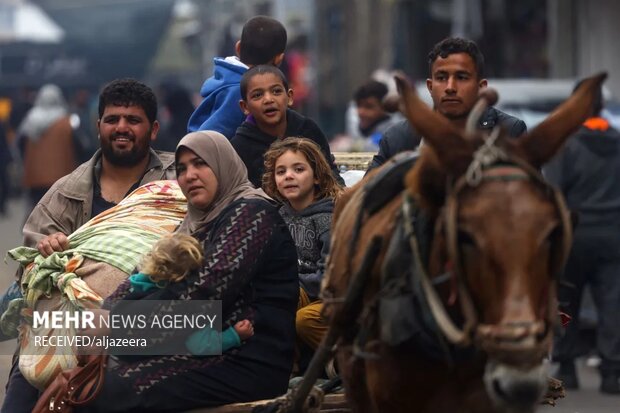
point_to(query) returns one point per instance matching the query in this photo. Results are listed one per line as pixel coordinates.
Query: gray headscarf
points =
(49, 106)
(230, 171)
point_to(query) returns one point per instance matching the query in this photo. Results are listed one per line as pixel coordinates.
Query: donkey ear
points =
(453, 151)
(545, 140)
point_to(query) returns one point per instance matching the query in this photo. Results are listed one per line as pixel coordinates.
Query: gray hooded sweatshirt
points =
(310, 230)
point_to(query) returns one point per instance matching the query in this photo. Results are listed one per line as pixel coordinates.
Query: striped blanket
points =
(119, 237)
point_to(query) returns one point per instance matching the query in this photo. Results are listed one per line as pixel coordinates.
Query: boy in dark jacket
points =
(263, 41)
(266, 97)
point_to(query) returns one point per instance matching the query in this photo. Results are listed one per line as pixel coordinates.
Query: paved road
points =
(586, 400)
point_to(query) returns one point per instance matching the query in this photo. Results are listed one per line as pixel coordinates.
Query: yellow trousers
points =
(311, 327)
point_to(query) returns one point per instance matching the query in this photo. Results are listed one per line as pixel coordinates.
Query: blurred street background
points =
(534, 51)
(334, 45)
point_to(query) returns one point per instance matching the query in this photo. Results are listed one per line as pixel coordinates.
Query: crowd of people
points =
(261, 184)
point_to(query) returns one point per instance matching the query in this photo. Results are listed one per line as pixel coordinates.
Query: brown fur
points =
(507, 265)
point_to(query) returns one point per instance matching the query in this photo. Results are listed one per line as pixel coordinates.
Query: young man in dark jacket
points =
(587, 171)
(456, 69)
(265, 100)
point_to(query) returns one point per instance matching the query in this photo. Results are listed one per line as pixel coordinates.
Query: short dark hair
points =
(262, 39)
(371, 89)
(453, 45)
(259, 70)
(129, 92)
(597, 103)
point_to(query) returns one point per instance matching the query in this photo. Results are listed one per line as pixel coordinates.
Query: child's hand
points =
(245, 329)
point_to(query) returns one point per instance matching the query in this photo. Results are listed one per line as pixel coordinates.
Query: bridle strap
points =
(450, 222)
(454, 334)
(450, 218)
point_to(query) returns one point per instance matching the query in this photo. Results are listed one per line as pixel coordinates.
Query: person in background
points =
(374, 120)
(456, 70)
(298, 175)
(46, 137)
(20, 105)
(587, 171)
(298, 61)
(83, 121)
(5, 160)
(263, 40)
(267, 97)
(178, 104)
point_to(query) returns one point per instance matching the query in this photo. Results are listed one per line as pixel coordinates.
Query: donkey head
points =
(501, 229)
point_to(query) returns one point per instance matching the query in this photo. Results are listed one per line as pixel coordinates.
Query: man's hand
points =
(55, 242)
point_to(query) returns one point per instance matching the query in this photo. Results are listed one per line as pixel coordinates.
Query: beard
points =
(126, 158)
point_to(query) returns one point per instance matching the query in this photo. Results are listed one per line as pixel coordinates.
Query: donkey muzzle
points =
(513, 389)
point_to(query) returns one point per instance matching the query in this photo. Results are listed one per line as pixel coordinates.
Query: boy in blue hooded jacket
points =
(263, 40)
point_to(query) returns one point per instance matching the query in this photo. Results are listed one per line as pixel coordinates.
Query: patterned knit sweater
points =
(251, 266)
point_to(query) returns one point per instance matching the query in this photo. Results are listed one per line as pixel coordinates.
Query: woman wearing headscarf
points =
(46, 137)
(250, 264)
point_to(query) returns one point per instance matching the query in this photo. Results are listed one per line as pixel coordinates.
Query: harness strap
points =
(454, 334)
(341, 324)
(467, 305)
(475, 175)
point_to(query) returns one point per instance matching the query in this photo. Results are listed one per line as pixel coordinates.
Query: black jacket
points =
(587, 171)
(402, 137)
(251, 144)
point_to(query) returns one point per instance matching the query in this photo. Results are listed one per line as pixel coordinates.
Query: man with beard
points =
(127, 124)
(456, 69)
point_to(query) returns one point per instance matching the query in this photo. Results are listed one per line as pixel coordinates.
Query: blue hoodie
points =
(219, 110)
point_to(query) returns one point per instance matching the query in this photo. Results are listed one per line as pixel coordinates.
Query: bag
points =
(41, 364)
(73, 388)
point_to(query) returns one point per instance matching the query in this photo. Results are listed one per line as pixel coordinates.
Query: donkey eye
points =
(464, 238)
(553, 237)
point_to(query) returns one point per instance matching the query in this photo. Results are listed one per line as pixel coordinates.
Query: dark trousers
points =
(21, 396)
(594, 260)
